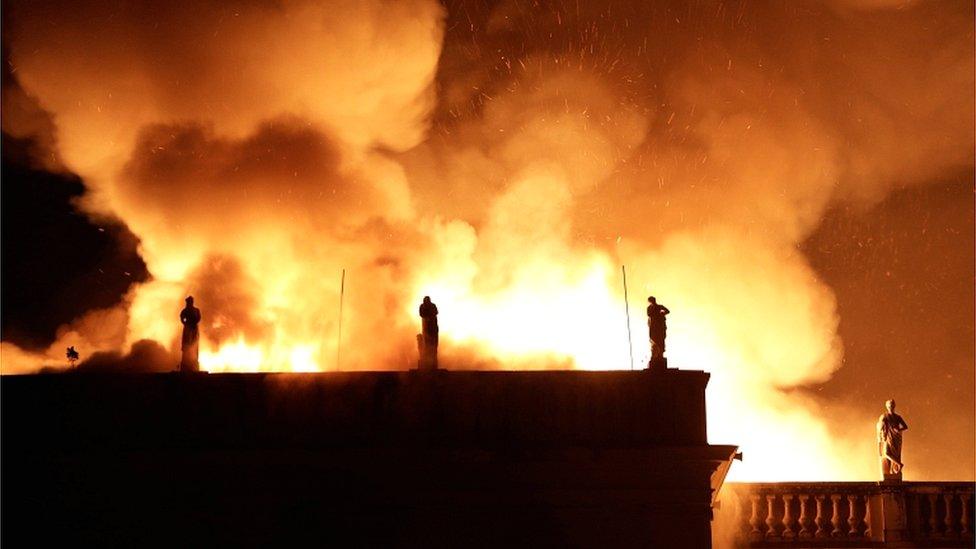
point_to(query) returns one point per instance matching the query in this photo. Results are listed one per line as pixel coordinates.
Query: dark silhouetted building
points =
(406, 459)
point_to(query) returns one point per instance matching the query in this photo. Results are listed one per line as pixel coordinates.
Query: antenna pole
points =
(630, 341)
(342, 295)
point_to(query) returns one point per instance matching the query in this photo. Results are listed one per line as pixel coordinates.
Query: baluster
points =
(964, 519)
(867, 516)
(835, 517)
(851, 516)
(932, 522)
(754, 520)
(770, 521)
(804, 517)
(948, 516)
(819, 520)
(787, 518)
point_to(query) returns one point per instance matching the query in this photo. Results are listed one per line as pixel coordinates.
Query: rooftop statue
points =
(658, 330)
(429, 338)
(890, 427)
(190, 344)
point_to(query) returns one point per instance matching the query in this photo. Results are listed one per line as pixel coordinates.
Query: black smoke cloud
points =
(57, 263)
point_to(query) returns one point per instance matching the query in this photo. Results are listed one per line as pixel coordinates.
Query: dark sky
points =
(903, 274)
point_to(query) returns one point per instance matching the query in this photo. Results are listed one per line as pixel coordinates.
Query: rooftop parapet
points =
(850, 514)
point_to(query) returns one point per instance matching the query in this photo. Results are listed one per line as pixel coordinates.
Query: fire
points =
(568, 312)
(240, 356)
(256, 153)
(556, 314)
(235, 356)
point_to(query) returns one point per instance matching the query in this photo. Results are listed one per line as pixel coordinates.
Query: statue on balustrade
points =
(890, 427)
(190, 317)
(428, 339)
(658, 330)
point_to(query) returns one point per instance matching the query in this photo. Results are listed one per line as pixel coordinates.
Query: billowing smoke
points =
(248, 148)
(505, 160)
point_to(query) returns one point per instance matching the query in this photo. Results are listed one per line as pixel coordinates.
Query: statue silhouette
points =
(190, 317)
(890, 426)
(430, 335)
(657, 328)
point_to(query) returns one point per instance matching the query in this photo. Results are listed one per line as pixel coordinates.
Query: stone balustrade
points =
(850, 514)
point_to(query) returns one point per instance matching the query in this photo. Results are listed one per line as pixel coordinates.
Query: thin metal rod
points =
(630, 341)
(342, 295)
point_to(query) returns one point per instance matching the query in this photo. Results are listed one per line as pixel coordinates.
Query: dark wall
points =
(461, 409)
(444, 459)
